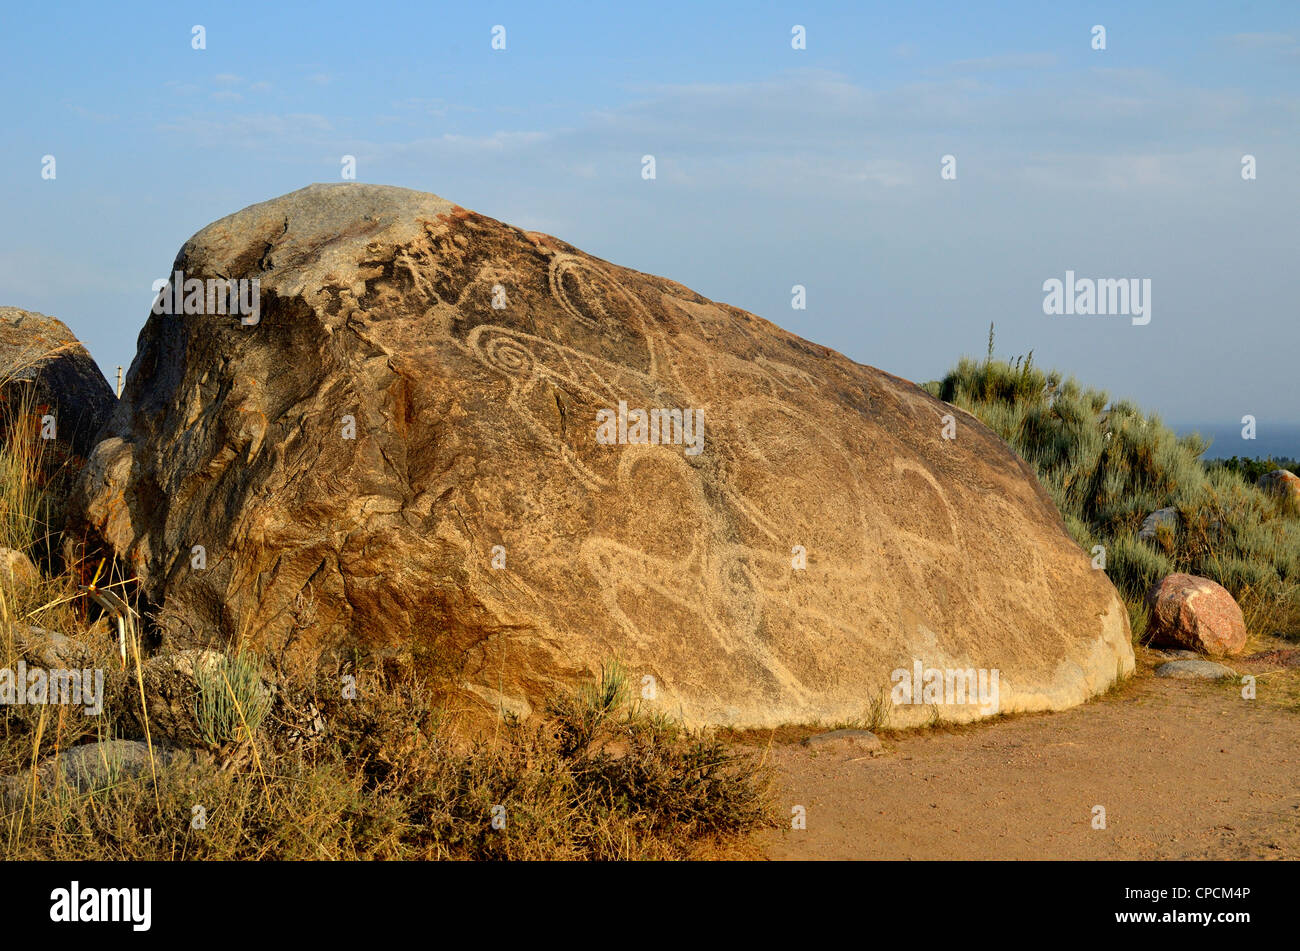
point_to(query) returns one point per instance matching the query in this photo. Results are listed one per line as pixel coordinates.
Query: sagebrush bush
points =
(1108, 465)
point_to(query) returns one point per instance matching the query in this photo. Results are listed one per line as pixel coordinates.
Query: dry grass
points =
(383, 776)
(384, 782)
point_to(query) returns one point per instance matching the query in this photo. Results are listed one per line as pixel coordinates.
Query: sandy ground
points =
(1184, 769)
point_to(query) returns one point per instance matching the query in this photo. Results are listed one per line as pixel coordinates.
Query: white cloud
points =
(814, 130)
(1006, 61)
(269, 131)
(1256, 41)
(92, 116)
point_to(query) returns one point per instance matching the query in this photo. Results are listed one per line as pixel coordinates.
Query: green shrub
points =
(232, 701)
(1134, 566)
(1108, 465)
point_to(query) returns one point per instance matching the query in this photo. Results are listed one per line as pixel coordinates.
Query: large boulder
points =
(1195, 613)
(45, 371)
(428, 439)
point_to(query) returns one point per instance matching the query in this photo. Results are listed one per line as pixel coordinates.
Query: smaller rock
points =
(83, 769)
(44, 369)
(857, 740)
(51, 649)
(1197, 614)
(1195, 670)
(16, 569)
(1281, 483)
(1151, 524)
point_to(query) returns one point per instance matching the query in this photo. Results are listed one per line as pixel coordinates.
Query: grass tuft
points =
(231, 701)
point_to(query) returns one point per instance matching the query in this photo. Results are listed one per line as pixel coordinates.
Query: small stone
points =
(1195, 670)
(858, 740)
(51, 649)
(1151, 524)
(1280, 657)
(85, 768)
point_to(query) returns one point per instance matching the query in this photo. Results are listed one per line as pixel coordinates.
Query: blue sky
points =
(775, 166)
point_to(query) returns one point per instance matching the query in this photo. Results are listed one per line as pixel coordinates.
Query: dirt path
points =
(1184, 769)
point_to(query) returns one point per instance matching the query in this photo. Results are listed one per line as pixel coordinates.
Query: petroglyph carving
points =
(475, 427)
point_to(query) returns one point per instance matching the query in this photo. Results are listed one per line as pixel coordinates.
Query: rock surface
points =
(403, 452)
(1197, 614)
(44, 365)
(51, 649)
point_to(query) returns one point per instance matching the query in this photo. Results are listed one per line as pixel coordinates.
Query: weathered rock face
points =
(44, 365)
(418, 445)
(1196, 613)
